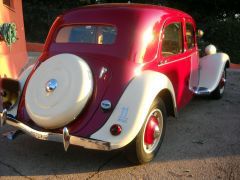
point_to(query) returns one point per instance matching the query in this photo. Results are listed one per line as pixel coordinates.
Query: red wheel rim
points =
(153, 131)
(150, 130)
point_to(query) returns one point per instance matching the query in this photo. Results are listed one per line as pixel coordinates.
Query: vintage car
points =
(109, 77)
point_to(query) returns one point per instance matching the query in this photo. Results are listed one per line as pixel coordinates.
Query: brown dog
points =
(9, 91)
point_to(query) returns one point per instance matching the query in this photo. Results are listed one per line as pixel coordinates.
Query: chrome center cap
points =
(51, 85)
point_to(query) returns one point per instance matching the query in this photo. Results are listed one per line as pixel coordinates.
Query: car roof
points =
(131, 21)
(138, 8)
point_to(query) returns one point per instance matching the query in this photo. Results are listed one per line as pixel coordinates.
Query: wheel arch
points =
(168, 100)
(134, 105)
(227, 65)
(22, 80)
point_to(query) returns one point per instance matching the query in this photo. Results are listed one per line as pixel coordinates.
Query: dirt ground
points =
(203, 143)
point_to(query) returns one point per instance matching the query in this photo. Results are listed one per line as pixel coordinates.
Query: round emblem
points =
(106, 105)
(51, 85)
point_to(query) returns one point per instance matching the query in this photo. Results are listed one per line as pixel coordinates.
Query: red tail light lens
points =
(115, 129)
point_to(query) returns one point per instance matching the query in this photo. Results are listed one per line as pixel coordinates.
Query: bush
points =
(39, 16)
(225, 36)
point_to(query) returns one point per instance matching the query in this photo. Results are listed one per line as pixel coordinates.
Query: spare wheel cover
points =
(58, 91)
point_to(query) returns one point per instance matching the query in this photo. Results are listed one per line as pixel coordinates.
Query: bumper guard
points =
(56, 137)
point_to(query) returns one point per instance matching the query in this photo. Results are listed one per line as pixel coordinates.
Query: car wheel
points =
(148, 141)
(219, 91)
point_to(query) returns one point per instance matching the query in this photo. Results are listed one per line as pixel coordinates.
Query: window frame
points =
(194, 35)
(166, 24)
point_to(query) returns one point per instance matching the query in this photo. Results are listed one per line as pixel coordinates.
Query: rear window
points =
(87, 34)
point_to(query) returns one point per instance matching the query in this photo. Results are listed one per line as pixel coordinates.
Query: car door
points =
(192, 51)
(173, 59)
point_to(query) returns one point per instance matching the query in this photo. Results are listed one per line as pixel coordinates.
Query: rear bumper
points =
(65, 138)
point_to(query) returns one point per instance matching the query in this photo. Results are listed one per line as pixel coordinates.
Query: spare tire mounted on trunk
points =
(58, 91)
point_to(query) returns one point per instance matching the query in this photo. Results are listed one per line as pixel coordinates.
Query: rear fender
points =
(133, 107)
(211, 69)
(22, 79)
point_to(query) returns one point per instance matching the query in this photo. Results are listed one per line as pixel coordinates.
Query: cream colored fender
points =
(212, 67)
(22, 79)
(133, 107)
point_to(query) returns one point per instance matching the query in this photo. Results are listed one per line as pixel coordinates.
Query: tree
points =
(220, 19)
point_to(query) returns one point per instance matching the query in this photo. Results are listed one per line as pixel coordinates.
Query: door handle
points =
(162, 62)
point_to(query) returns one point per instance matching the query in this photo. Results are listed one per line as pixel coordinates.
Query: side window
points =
(190, 36)
(172, 40)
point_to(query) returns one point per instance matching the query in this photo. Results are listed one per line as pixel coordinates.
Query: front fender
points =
(133, 107)
(211, 69)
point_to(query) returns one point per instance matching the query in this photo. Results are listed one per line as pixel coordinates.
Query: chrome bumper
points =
(65, 138)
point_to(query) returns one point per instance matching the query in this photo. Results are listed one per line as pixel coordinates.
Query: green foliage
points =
(39, 16)
(225, 35)
(8, 33)
(215, 17)
(220, 21)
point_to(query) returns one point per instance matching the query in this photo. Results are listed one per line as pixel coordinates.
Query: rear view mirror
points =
(9, 91)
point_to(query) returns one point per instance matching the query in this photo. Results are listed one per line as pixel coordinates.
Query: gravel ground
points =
(203, 143)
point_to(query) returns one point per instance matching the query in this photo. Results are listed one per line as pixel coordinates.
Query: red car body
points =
(120, 57)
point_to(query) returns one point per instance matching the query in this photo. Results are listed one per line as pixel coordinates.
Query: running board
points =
(200, 91)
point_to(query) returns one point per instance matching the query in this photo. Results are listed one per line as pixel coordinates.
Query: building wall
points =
(12, 59)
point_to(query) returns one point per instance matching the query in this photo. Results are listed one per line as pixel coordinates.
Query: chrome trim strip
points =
(170, 62)
(65, 138)
(103, 71)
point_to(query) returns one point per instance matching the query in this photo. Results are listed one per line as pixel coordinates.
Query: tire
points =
(138, 151)
(219, 91)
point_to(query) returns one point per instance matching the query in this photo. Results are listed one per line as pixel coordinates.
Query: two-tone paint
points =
(132, 82)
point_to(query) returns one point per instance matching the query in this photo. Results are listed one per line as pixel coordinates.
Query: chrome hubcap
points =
(157, 132)
(51, 85)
